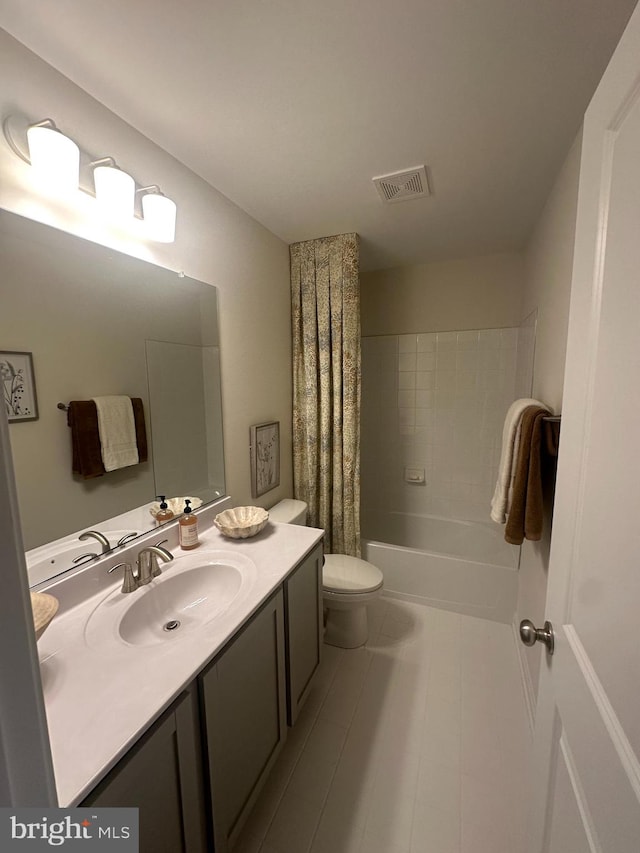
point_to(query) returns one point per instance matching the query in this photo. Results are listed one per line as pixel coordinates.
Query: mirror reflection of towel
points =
(82, 417)
(525, 520)
(117, 431)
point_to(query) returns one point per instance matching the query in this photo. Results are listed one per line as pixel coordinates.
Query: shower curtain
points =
(325, 293)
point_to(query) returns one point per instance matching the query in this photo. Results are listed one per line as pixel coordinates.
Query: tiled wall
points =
(436, 402)
(525, 355)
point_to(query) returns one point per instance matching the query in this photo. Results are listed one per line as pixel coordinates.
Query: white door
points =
(587, 742)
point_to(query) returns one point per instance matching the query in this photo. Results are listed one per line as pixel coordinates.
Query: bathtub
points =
(464, 566)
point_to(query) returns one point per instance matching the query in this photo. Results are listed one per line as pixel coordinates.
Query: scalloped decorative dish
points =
(44, 608)
(176, 505)
(241, 522)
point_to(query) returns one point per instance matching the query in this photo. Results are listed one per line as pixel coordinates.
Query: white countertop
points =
(100, 700)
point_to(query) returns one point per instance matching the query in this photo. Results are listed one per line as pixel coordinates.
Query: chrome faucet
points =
(95, 534)
(148, 567)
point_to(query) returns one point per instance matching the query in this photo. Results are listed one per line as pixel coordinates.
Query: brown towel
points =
(141, 432)
(552, 438)
(526, 515)
(82, 417)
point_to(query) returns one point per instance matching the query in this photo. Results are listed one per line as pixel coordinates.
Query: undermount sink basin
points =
(191, 591)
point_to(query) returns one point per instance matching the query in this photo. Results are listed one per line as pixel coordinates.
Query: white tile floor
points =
(415, 742)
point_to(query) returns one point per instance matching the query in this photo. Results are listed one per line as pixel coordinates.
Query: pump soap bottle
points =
(188, 528)
(164, 513)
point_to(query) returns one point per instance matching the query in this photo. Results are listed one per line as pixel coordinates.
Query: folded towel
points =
(525, 519)
(82, 417)
(141, 432)
(508, 456)
(117, 432)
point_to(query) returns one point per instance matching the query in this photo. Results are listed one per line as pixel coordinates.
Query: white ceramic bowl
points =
(241, 522)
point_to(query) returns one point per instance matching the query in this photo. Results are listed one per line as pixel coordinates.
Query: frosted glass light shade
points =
(55, 159)
(159, 214)
(115, 191)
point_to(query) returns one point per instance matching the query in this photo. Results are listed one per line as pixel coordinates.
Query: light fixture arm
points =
(46, 122)
(10, 134)
(103, 161)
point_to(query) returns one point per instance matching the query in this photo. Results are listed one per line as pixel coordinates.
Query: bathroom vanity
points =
(187, 727)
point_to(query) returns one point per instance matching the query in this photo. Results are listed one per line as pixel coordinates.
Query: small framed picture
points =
(265, 457)
(18, 386)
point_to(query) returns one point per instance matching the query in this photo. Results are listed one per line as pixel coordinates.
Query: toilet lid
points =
(349, 574)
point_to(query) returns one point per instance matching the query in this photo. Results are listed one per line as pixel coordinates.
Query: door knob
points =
(530, 635)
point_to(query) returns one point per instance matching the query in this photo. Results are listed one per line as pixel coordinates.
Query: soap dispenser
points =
(164, 513)
(188, 528)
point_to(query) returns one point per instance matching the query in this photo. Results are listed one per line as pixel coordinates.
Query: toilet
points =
(348, 583)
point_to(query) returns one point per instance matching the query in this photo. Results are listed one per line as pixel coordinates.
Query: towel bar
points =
(552, 419)
(62, 407)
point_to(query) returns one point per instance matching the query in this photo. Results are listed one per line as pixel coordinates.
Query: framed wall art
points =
(265, 457)
(18, 386)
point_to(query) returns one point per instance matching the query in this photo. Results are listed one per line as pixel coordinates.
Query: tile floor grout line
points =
(322, 810)
(300, 751)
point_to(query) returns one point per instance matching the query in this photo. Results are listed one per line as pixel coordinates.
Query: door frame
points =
(26, 766)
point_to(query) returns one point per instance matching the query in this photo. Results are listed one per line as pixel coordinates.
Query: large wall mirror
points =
(100, 323)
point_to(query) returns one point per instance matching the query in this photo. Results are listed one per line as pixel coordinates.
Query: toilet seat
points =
(343, 575)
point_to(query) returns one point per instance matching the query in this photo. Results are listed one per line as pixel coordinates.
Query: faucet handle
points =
(83, 557)
(130, 582)
(126, 538)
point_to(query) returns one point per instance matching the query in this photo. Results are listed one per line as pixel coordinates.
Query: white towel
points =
(508, 456)
(117, 429)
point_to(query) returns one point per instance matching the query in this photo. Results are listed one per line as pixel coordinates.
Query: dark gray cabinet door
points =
(162, 776)
(243, 702)
(303, 629)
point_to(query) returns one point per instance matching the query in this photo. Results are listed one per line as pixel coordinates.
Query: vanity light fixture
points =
(57, 161)
(54, 157)
(159, 214)
(115, 189)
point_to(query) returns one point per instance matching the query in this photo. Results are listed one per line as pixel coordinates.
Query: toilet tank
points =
(289, 511)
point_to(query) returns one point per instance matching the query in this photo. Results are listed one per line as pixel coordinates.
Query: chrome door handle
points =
(530, 635)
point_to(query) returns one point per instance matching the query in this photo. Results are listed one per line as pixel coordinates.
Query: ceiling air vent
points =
(401, 186)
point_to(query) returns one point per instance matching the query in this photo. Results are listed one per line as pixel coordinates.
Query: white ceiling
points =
(290, 107)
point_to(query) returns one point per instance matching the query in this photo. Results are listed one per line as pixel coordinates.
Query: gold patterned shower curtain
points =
(325, 293)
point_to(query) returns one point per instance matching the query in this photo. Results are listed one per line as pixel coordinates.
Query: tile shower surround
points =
(437, 401)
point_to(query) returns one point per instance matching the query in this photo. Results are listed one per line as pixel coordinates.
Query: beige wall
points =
(548, 261)
(472, 293)
(216, 242)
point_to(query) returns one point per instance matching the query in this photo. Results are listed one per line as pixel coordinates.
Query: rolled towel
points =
(506, 469)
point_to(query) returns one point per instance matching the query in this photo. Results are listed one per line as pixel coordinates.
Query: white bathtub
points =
(464, 566)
